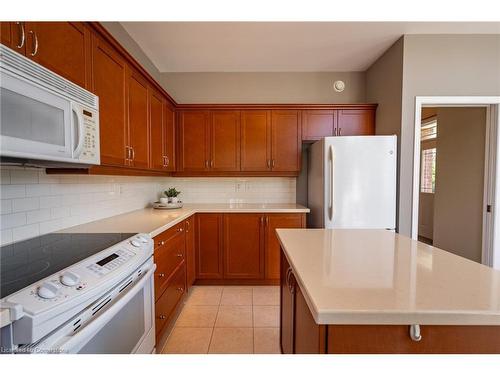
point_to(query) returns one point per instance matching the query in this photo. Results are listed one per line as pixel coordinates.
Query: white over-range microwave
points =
(45, 120)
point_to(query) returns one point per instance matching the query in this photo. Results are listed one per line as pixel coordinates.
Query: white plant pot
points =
(174, 199)
(164, 200)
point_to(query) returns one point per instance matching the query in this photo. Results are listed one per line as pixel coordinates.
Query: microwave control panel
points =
(90, 150)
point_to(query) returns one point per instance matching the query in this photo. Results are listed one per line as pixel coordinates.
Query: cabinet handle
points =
(335, 131)
(22, 37)
(289, 274)
(180, 255)
(180, 229)
(180, 289)
(340, 131)
(267, 221)
(211, 163)
(162, 317)
(415, 332)
(268, 163)
(162, 243)
(261, 220)
(273, 163)
(35, 40)
(161, 275)
(133, 153)
(188, 225)
(167, 161)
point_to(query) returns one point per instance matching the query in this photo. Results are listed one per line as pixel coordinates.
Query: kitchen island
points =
(375, 291)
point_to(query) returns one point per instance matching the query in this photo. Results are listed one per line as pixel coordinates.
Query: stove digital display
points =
(108, 259)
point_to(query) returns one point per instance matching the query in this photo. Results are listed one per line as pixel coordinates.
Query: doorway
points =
(451, 189)
(455, 169)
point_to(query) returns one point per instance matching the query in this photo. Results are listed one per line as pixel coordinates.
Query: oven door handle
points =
(95, 325)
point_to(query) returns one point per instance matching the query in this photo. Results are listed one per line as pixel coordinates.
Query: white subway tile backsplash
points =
(13, 191)
(35, 203)
(10, 221)
(37, 216)
(25, 204)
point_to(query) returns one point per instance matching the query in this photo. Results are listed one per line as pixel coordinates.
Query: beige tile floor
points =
(227, 319)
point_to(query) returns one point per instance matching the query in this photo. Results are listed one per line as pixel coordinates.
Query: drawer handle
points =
(180, 289)
(415, 332)
(161, 275)
(179, 229)
(180, 255)
(161, 243)
(162, 317)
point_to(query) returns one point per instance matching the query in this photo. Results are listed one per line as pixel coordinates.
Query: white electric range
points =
(79, 293)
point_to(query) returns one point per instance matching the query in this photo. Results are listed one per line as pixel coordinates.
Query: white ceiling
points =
(279, 46)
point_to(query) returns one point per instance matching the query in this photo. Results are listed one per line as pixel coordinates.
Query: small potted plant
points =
(172, 195)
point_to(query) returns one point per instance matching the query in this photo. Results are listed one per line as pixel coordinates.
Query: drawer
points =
(166, 304)
(167, 259)
(176, 231)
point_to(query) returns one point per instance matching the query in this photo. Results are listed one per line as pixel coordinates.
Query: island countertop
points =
(357, 276)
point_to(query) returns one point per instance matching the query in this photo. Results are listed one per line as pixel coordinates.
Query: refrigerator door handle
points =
(331, 168)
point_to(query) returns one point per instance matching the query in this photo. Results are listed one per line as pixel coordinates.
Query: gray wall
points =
(300, 87)
(433, 65)
(121, 35)
(384, 85)
(458, 199)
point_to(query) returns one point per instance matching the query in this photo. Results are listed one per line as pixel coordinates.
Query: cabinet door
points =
(138, 120)
(356, 122)
(286, 141)
(157, 125)
(273, 222)
(309, 337)
(255, 141)
(243, 246)
(287, 307)
(13, 35)
(169, 138)
(194, 135)
(110, 84)
(225, 145)
(317, 124)
(190, 251)
(209, 262)
(63, 47)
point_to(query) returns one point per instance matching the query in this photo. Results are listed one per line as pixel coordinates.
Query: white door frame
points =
(491, 235)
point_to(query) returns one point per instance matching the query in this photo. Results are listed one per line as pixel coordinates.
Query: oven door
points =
(35, 122)
(122, 325)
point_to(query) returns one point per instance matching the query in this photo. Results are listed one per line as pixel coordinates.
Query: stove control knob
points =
(48, 290)
(135, 243)
(143, 239)
(69, 278)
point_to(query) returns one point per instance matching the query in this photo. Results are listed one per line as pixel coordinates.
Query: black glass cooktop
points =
(24, 263)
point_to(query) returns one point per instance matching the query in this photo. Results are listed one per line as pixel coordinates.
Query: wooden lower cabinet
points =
(244, 246)
(240, 247)
(299, 333)
(166, 305)
(209, 262)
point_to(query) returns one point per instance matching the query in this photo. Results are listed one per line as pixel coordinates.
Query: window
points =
(428, 177)
(428, 130)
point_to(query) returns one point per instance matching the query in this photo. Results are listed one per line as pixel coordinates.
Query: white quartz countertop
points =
(153, 222)
(357, 276)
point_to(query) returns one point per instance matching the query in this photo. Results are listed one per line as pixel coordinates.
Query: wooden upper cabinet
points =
(243, 246)
(209, 260)
(63, 47)
(273, 222)
(169, 138)
(138, 120)
(255, 140)
(194, 138)
(157, 128)
(286, 140)
(225, 141)
(356, 122)
(13, 35)
(110, 84)
(317, 124)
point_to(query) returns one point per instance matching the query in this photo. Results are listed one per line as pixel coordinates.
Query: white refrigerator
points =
(352, 182)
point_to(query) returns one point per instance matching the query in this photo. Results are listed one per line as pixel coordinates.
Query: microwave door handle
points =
(95, 325)
(79, 128)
